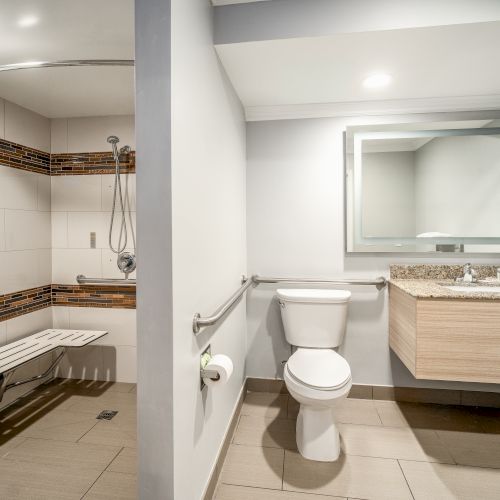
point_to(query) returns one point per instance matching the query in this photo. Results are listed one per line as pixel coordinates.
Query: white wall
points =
(209, 251)
(295, 221)
(25, 260)
(81, 204)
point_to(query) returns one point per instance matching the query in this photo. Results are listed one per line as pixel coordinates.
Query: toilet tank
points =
(314, 317)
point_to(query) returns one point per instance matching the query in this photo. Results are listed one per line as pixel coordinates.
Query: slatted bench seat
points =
(16, 354)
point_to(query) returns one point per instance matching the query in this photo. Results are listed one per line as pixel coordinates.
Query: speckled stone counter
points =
(434, 289)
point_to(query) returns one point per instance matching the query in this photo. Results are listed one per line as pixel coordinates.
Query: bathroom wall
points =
(209, 248)
(295, 227)
(25, 261)
(81, 204)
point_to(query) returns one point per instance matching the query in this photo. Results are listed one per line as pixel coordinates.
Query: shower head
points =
(112, 139)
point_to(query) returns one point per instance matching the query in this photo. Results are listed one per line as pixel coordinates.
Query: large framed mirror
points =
(427, 187)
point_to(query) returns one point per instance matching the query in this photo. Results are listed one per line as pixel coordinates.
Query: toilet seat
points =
(319, 369)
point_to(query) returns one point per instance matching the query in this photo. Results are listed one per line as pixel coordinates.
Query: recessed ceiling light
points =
(377, 80)
(27, 21)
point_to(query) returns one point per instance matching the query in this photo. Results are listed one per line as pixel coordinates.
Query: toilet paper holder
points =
(205, 357)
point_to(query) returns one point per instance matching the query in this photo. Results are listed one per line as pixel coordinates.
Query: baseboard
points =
(228, 436)
(389, 393)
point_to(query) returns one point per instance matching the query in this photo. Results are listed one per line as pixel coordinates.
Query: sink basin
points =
(472, 289)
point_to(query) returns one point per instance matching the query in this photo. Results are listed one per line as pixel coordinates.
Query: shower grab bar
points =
(199, 322)
(83, 280)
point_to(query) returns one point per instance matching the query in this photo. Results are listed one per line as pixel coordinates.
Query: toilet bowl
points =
(316, 376)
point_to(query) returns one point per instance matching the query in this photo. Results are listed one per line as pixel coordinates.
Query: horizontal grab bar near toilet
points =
(83, 280)
(199, 322)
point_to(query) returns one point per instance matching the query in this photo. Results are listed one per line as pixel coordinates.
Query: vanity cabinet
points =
(446, 339)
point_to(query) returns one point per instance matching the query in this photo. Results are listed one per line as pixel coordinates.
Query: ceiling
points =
(425, 63)
(90, 29)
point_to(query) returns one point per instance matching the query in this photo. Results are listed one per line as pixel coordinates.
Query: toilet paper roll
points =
(223, 365)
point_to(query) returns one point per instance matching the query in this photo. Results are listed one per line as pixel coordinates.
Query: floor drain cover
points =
(106, 414)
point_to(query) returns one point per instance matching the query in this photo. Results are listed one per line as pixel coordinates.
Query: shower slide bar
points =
(83, 280)
(199, 322)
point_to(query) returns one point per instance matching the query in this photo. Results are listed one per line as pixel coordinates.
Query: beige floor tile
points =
(125, 462)
(230, 492)
(265, 404)
(473, 448)
(348, 411)
(61, 453)
(112, 433)
(26, 480)
(253, 466)
(426, 416)
(56, 424)
(393, 442)
(94, 402)
(260, 431)
(417, 395)
(431, 481)
(113, 486)
(6, 445)
(350, 476)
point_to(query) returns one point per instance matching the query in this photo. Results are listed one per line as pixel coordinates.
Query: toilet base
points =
(317, 434)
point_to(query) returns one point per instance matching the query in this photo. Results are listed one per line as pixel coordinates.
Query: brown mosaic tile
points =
(116, 297)
(24, 302)
(90, 163)
(24, 158)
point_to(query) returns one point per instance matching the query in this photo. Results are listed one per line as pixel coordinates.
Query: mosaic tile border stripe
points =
(24, 302)
(114, 297)
(90, 163)
(24, 158)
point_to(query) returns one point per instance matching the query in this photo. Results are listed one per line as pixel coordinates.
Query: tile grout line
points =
(283, 472)
(406, 480)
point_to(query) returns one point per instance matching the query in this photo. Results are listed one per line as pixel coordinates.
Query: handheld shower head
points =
(112, 139)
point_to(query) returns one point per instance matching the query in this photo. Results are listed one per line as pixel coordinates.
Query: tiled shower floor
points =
(53, 448)
(391, 451)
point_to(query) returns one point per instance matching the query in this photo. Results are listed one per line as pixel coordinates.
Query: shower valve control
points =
(127, 263)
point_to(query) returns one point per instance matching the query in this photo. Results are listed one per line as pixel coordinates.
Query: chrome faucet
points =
(469, 274)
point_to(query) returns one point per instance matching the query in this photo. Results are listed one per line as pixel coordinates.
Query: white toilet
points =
(315, 375)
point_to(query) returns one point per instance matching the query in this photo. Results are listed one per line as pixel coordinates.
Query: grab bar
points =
(379, 282)
(199, 322)
(83, 280)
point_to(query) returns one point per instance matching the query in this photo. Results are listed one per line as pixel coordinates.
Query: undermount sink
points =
(472, 288)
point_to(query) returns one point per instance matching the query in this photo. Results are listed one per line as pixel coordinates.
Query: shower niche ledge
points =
(446, 338)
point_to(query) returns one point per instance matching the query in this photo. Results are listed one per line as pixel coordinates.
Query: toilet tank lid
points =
(318, 295)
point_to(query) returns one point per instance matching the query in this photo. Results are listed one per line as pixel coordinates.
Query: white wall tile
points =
(68, 263)
(59, 222)
(76, 193)
(43, 193)
(120, 363)
(2, 230)
(3, 331)
(90, 134)
(22, 269)
(81, 224)
(18, 189)
(128, 189)
(60, 317)
(2, 118)
(120, 323)
(27, 230)
(25, 127)
(82, 363)
(28, 324)
(59, 135)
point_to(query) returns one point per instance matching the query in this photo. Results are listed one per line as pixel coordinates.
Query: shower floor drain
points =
(106, 414)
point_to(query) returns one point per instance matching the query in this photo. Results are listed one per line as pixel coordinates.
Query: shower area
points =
(67, 189)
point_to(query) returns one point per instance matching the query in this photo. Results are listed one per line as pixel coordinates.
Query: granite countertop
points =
(434, 289)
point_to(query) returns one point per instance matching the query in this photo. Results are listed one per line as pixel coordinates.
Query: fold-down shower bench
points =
(16, 354)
